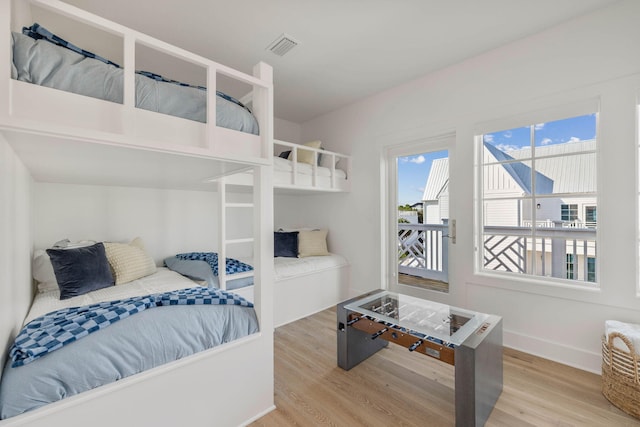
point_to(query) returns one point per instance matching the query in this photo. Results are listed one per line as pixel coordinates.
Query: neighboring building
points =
(436, 193)
(506, 190)
(564, 175)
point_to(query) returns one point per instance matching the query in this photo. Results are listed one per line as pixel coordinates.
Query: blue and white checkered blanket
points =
(59, 328)
(232, 265)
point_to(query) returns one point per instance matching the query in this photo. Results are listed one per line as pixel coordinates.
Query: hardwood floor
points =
(420, 282)
(398, 388)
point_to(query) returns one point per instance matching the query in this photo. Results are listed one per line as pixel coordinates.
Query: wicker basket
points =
(621, 375)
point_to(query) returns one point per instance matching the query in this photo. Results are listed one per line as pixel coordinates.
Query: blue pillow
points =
(193, 269)
(81, 270)
(285, 244)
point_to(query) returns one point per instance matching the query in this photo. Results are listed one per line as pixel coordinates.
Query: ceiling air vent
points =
(283, 44)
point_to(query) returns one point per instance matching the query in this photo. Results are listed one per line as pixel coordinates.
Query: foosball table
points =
(469, 340)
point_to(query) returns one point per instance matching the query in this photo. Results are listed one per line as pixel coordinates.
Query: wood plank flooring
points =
(398, 388)
(420, 282)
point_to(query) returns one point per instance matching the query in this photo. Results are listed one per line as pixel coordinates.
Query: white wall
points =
(15, 244)
(168, 221)
(592, 56)
(285, 130)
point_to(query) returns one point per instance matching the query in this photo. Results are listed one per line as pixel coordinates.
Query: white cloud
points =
(507, 147)
(546, 141)
(507, 134)
(574, 139)
(488, 137)
(539, 126)
(418, 160)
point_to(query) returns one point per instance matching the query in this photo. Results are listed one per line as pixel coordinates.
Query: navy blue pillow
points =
(285, 244)
(81, 270)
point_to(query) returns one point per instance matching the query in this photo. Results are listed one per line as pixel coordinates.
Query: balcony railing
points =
(556, 249)
(423, 250)
(561, 251)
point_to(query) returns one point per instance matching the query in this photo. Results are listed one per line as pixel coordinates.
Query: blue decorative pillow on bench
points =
(285, 244)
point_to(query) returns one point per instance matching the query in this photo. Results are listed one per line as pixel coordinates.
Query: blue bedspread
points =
(46, 64)
(54, 330)
(148, 339)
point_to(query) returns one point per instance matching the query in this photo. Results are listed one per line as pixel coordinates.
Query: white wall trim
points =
(555, 351)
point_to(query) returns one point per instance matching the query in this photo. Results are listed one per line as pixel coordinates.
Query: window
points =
(591, 269)
(534, 183)
(570, 266)
(590, 216)
(569, 212)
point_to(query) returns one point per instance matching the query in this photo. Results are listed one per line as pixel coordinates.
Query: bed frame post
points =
(263, 108)
(5, 52)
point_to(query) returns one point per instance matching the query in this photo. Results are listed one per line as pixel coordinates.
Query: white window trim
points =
(390, 221)
(529, 282)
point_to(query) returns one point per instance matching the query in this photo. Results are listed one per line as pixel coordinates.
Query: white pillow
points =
(312, 243)
(306, 156)
(129, 261)
(42, 271)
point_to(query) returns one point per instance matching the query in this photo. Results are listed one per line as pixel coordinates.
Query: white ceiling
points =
(349, 49)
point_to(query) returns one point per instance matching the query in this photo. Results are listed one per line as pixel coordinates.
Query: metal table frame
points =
(477, 361)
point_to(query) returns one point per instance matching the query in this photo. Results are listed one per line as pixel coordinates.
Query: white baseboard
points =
(558, 352)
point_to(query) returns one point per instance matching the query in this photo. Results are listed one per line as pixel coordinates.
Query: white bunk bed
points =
(303, 286)
(62, 137)
(323, 171)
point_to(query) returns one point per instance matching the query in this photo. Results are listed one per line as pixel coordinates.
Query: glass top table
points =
(450, 324)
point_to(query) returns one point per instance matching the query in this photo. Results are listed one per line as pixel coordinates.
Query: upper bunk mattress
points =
(46, 64)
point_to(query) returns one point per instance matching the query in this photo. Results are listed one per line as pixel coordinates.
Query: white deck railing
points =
(423, 250)
(561, 252)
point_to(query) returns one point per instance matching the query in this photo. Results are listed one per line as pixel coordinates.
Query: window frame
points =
(571, 208)
(552, 114)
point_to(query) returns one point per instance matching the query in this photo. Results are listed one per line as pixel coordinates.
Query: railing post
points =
(558, 255)
(445, 248)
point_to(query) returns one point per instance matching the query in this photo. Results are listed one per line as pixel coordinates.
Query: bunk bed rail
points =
(214, 141)
(334, 159)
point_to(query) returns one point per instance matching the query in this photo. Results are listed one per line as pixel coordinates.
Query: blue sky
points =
(580, 128)
(414, 170)
(412, 175)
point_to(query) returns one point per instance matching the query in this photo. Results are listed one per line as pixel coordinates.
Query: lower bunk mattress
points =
(287, 268)
(132, 345)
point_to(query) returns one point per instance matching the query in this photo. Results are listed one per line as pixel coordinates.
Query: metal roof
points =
(437, 179)
(560, 168)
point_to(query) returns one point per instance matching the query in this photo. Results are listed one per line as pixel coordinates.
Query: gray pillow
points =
(193, 269)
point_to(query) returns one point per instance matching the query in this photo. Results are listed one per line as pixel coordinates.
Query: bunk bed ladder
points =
(224, 242)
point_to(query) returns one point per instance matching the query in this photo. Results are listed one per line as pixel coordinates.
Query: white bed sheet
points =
(291, 267)
(163, 280)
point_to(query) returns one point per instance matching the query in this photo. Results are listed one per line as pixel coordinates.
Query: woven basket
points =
(621, 375)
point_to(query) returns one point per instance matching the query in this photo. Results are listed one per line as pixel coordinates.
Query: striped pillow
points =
(129, 261)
